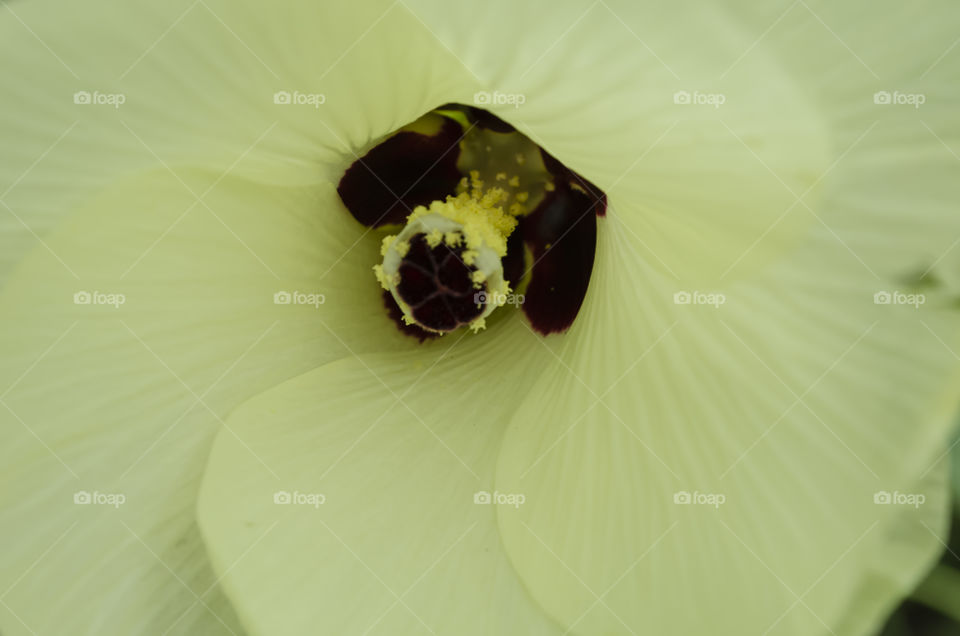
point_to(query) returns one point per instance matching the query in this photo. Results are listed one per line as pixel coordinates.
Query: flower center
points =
(445, 269)
(458, 249)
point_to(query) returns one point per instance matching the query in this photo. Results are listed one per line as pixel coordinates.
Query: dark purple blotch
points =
(408, 169)
(561, 234)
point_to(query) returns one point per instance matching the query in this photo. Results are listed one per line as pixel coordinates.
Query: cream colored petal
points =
(799, 198)
(711, 192)
(197, 82)
(124, 392)
(908, 556)
(371, 523)
(784, 409)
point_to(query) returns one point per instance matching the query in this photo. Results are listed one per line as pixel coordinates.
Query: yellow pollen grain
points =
(479, 213)
(523, 196)
(515, 182)
(386, 243)
(520, 159)
(384, 280)
(434, 238)
(501, 176)
(478, 324)
(475, 181)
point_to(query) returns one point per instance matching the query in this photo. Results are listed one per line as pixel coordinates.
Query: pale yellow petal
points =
(371, 521)
(116, 380)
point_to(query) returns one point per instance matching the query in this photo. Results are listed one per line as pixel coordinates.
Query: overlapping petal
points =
(399, 448)
(815, 361)
(125, 346)
(780, 411)
(240, 205)
(198, 79)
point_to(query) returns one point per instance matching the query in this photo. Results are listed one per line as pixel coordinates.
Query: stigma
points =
(445, 267)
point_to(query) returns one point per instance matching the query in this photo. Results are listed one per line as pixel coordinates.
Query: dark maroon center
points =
(438, 286)
(560, 233)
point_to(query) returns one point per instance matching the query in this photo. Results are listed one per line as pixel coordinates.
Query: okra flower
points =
(723, 410)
